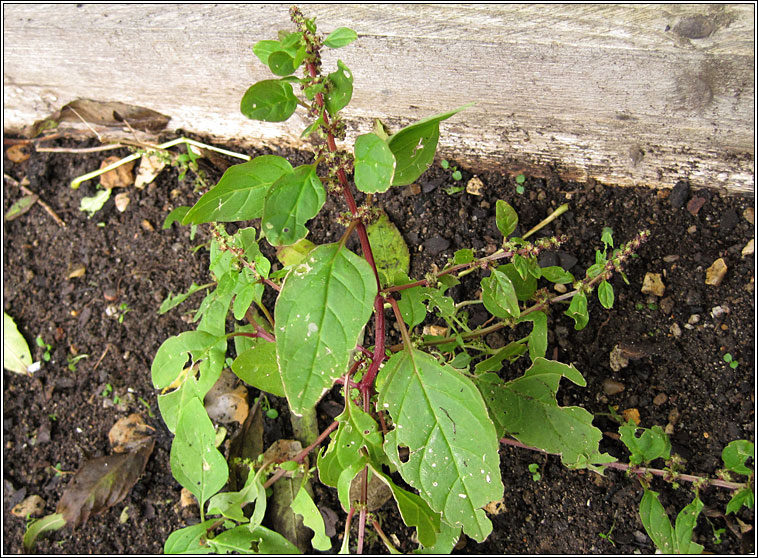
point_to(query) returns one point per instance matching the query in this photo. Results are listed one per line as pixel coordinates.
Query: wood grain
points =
(625, 94)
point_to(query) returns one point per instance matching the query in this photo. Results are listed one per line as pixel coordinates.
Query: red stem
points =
(300, 456)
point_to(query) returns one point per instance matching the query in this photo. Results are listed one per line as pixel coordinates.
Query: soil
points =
(60, 417)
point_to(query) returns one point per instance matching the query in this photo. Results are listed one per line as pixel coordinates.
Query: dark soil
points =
(60, 417)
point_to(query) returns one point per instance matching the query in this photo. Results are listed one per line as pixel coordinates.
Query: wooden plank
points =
(625, 94)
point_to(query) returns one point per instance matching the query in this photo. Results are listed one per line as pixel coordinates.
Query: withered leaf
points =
(129, 433)
(106, 113)
(101, 483)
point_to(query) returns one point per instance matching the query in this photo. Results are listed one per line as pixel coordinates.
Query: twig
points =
(28, 192)
(547, 220)
(95, 149)
(640, 470)
(86, 123)
(105, 352)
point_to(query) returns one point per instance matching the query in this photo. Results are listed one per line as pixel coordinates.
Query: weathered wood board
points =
(625, 94)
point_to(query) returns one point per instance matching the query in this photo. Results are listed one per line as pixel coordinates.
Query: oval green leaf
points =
(240, 193)
(322, 308)
(341, 91)
(374, 164)
(499, 296)
(506, 218)
(270, 100)
(342, 36)
(291, 201)
(391, 254)
(16, 355)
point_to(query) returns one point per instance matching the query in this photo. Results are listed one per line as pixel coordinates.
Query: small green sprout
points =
(72, 360)
(147, 406)
(520, 179)
(123, 311)
(46, 346)
(607, 536)
(534, 469)
(266, 406)
(107, 391)
(456, 174)
(730, 360)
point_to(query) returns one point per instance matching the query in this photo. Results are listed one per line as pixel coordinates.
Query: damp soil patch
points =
(677, 376)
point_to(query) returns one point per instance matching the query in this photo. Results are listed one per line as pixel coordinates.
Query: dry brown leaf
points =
(377, 492)
(101, 483)
(76, 270)
(119, 177)
(106, 113)
(18, 153)
(226, 401)
(150, 166)
(32, 506)
(495, 508)
(129, 433)
(631, 415)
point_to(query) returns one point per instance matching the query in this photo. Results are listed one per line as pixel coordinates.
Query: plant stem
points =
(385, 538)
(640, 470)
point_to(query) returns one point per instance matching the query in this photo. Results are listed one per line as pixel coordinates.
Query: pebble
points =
(718, 312)
(612, 387)
(412, 190)
(560, 288)
(679, 194)
(631, 414)
(695, 204)
(430, 186)
(122, 202)
(475, 186)
(749, 215)
(671, 258)
(146, 225)
(749, 248)
(436, 244)
(728, 221)
(667, 305)
(694, 319)
(676, 331)
(692, 229)
(714, 275)
(660, 399)
(617, 360)
(652, 284)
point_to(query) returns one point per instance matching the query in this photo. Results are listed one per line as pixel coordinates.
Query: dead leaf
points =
(282, 450)
(119, 177)
(495, 508)
(18, 153)
(129, 433)
(631, 415)
(377, 492)
(150, 166)
(107, 113)
(226, 401)
(475, 186)
(101, 483)
(122, 202)
(33, 506)
(246, 444)
(21, 206)
(187, 499)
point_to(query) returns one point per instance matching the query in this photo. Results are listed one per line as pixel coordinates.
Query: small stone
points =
(676, 331)
(560, 288)
(412, 190)
(728, 221)
(669, 429)
(694, 319)
(667, 305)
(749, 215)
(692, 229)
(652, 284)
(612, 387)
(714, 275)
(122, 202)
(679, 194)
(475, 186)
(436, 244)
(718, 312)
(110, 295)
(695, 204)
(749, 248)
(146, 225)
(631, 415)
(660, 399)
(617, 360)
(674, 415)
(671, 258)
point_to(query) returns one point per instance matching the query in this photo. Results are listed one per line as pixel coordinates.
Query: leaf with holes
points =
(195, 462)
(240, 193)
(440, 417)
(391, 254)
(292, 200)
(374, 164)
(414, 146)
(526, 409)
(271, 100)
(322, 308)
(341, 91)
(668, 539)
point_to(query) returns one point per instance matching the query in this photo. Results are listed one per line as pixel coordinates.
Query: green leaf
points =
(525, 287)
(607, 236)
(95, 203)
(303, 505)
(195, 462)
(578, 311)
(342, 36)
(511, 352)
(264, 49)
(447, 538)
(441, 418)
(411, 304)
(37, 527)
(685, 523)
(174, 301)
(341, 91)
(605, 294)
(322, 308)
(246, 540)
(499, 296)
(374, 164)
(292, 200)
(172, 355)
(230, 504)
(538, 336)
(271, 100)
(294, 253)
(652, 444)
(521, 265)
(463, 256)
(414, 511)
(21, 206)
(506, 218)
(189, 540)
(257, 367)
(414, 147)
(556, 274)
(240, 193)
(526, 408)
(656, 522)
(283, 63)
(176, 215)
(743, 497)
(390, 251)
(736, 454)
(16, 355)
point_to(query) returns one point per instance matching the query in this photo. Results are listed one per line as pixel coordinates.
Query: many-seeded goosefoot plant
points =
(431, 408)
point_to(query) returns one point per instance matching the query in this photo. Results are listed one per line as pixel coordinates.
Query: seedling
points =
(73, 359)
(520, 179)
(266, 407)
(607, 536)
(454, 172)
(534, 468)
(123, 310)
(730, 360)
(46, 347)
